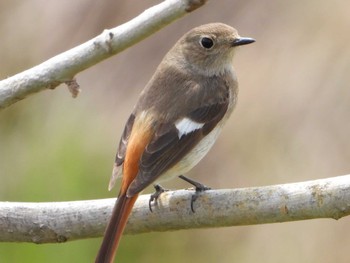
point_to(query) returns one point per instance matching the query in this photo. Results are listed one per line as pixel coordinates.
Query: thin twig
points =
(63, 67)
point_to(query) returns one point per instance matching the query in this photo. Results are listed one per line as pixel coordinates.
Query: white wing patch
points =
(186, 125)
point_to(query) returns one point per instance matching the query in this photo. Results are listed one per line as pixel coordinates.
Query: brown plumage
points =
(176, 120)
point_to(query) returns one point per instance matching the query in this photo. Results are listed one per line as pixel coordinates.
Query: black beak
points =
(242, 41)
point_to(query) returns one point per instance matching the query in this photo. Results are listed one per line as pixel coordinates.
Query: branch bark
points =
(63, 67)
(66, 221)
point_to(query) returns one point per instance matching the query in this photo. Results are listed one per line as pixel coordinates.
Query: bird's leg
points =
(198, 187)
(154, 197)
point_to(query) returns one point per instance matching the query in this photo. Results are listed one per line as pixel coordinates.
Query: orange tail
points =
(115, 228)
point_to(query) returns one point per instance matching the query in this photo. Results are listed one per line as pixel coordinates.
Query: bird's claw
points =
(154, 197)
(198, 189)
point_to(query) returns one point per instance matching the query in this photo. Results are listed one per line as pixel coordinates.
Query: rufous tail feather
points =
(115, 228)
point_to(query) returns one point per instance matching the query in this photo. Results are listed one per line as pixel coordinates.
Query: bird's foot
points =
(154, 197)
(198, 188)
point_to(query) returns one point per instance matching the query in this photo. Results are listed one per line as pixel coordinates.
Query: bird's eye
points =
(206, 42)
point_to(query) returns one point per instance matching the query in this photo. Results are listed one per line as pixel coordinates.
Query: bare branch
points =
(63, 67)
(65, 221)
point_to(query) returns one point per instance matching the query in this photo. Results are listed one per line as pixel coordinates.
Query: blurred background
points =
(291, 123)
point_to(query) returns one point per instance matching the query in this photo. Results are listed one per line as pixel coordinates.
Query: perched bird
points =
(176, 120)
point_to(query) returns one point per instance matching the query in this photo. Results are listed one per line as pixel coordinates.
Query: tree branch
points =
(65, 221)
(63, 67)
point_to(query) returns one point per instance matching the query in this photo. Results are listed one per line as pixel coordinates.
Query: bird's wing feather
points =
(169, 144)
(120, 156)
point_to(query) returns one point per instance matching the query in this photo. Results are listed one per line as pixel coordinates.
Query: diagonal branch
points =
(66, 221)
(63, 67)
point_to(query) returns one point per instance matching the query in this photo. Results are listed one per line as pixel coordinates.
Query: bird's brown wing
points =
(120, 156)
(167, 147)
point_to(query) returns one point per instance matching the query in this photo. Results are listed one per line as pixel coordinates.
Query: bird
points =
(176, 120)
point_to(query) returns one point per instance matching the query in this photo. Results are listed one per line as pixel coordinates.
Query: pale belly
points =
(194, 156)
